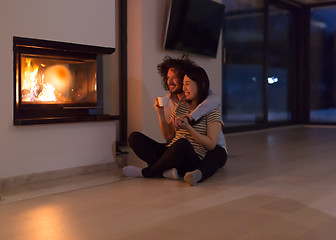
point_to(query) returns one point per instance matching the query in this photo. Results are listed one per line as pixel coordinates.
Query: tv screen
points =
(194, 26)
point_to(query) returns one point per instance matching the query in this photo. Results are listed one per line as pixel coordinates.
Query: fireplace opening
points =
(52, 80)
(57, 82)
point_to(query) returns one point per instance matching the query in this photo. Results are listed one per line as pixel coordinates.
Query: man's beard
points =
(175, 90)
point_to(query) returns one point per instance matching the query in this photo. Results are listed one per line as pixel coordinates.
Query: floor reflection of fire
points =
(41, 83)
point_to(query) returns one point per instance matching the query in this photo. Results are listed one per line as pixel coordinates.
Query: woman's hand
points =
(183, 123)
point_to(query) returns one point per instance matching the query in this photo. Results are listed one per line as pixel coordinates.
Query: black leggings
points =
(180, 155)
(213, 160)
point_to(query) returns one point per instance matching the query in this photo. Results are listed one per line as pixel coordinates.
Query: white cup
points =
(163, 101)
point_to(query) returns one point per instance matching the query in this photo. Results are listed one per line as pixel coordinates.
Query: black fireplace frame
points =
(30, 114)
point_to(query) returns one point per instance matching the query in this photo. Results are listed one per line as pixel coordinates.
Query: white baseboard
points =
(15, 181)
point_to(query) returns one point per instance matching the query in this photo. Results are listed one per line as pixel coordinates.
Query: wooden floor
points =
(278, 184)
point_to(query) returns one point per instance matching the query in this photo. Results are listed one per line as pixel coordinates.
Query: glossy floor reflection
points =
(277, 184)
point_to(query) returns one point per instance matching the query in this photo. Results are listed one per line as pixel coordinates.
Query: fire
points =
(47, 94)
(29, 77)
(42, 84)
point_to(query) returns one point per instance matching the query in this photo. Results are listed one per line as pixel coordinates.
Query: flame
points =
(29, 76)
(34, 85)
(47, 94)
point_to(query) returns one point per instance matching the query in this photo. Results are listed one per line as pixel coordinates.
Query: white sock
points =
(132, 171)
(171, 173)
(193, 177)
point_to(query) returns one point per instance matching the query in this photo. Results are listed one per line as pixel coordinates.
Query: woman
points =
(189, 144)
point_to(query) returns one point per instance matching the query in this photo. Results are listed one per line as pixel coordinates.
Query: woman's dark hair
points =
(199, 75)
(178, 64)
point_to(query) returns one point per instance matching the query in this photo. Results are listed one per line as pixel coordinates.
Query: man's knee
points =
(182, 143)
(133, 137)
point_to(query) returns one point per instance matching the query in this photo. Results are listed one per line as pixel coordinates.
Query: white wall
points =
(77, 21)
(146, 26)
(33, 149)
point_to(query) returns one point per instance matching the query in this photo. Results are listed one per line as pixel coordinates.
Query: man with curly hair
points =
(172, 71)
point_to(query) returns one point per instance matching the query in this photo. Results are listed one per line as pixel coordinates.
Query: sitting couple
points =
(196, 146)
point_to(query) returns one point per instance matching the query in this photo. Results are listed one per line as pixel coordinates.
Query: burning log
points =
(37, 89)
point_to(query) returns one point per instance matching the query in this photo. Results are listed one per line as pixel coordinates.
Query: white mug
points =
(163, 101)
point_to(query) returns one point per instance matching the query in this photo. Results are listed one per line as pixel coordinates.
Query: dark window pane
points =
(278, 64)
(322, 65)
(243, 70)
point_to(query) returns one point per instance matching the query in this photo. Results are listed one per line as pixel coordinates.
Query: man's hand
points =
(177, 123)
(157, 106)
(167, 128)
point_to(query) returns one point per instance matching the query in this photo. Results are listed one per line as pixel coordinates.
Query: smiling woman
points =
(188, 143)
(189, 88)
(197, 80)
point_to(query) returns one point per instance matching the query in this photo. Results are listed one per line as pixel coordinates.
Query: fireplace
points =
(57, 82)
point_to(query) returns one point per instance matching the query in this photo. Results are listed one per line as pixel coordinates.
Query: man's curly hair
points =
(180, 65)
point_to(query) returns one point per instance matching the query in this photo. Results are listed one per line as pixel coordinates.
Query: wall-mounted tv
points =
(194, 26)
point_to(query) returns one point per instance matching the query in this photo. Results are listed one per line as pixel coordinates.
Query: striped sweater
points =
(182, 110)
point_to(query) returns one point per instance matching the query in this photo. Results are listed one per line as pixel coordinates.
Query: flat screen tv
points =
(194, 26)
